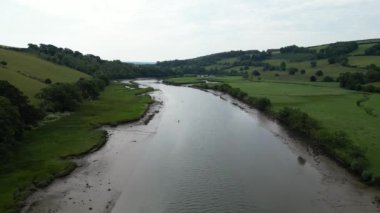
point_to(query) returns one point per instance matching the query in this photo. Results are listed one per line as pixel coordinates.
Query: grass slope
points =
(335, 108)
(26, 72)
(70, 135)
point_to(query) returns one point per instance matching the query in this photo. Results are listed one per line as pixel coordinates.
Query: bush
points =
(29, 114)
(374, 50)
(313, 63)
(319, 73)
(262, 104)
(47, 81)
(313, 78)
(90, 89)
(11, 127)
(298, 121)
(3, 63)
(59, 97)
(328, 79)
(303, 72)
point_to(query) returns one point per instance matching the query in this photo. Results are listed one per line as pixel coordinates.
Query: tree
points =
(29, 114)
(283, 66)
(332, 60)
(11, 127)
(328, 79)
(374, 50)
(303, 72)
(319, 73)
(313, 78)
(256, 73)
(47, 81)
(4, 63)
(313, 63)
(90, 89)
(59, 97)
(245, 75)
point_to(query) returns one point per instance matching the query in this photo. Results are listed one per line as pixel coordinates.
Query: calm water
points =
(203, 154)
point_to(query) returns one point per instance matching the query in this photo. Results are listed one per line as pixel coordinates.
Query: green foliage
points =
(319, 73)
(94, 65)
(295, 49)
(90, 89)
(29, 115)
(313, 63)
(11, 127)
(299, 121)
(60, 97)
(328, 79)
(283, 66)
(374, 50)
(3, 63)
(48, 81)
(338, 49)
(313, 78)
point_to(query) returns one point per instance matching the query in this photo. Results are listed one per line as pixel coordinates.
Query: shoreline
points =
(317, 149)
(75, 159)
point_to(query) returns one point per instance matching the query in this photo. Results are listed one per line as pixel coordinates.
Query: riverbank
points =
(336, 122)
(43, 156)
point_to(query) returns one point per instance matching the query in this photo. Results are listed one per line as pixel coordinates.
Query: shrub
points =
(262, 104)
(297, 120)
(48, 81)
(11, 127)
(313, 63)
(328, 79)
(29, 114)
(59, 97)
(313, 78)
(319, 73)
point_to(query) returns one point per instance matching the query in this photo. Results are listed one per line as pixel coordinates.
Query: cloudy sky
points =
(153, 30)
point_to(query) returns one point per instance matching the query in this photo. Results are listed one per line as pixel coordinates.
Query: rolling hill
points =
(28, 72)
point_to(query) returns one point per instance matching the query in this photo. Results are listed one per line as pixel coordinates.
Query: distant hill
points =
(28, 72)
(291, 63)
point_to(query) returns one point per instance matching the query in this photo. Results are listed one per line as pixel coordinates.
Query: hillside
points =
(28, 72)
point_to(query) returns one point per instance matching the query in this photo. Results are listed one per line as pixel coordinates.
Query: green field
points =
(335, 108)
(70, 135)
(27, 72)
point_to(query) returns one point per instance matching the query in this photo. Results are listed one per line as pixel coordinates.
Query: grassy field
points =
(27, 72)
(70, 135)
(335, 108)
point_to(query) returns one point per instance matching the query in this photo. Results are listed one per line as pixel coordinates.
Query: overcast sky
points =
(153, 30)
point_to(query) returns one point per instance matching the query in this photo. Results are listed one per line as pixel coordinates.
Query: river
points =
(204, 153)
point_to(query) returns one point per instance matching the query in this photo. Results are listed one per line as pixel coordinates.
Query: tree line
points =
(94, 65)
(360, 80)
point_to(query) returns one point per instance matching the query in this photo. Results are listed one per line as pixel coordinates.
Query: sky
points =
(157, 30)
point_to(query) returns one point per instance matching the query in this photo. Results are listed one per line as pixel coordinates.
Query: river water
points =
(204, 153)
